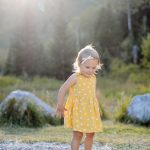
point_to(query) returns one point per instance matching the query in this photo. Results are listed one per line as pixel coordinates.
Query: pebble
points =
(11, 145)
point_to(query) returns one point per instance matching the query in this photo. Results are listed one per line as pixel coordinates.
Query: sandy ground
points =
(10, 145)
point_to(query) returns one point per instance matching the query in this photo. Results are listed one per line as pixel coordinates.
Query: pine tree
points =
(26, 52)
(61, 52)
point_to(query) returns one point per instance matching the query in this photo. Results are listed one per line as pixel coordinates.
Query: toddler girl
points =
(81, 111)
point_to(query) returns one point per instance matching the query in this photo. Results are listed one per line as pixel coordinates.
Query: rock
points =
(15, 145)
(139, 108)
(23, 98)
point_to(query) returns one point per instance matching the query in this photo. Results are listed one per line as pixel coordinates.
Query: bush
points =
(130, 72)
(121, 70)
(15, 113)
(121, 111)
(55, 120)
(143, 76)
(104, 113)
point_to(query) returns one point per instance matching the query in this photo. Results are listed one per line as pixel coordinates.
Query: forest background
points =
(35, 35)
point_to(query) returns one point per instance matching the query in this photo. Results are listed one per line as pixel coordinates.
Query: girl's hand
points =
(60, 110)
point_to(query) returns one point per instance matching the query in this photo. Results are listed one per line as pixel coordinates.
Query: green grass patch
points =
(6, 81)
(116, 134)
(45, 88)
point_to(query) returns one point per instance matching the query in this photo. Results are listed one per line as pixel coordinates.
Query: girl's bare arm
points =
(61, 94)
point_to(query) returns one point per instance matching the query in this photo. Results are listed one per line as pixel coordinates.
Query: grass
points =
(119, 133)
(116, 134)
(44, 88)
(111, 93)
(47, 133)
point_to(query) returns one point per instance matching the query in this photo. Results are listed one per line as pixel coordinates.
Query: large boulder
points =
(25, 108)
(139, 109)
(26, 97)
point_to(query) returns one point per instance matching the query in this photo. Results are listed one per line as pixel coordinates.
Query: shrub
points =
(17, 113)
(104, 113)
(121, 110)
(121, 70)
(143, 76)
(55, 120)
(101, 105)
(33, 116)
(130, 72)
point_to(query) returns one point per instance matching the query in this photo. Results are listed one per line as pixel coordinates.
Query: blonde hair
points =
(88, 52)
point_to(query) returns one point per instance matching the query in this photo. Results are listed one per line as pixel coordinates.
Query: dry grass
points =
(115, 134)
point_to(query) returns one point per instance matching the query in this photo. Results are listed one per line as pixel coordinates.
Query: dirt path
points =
(10, 145)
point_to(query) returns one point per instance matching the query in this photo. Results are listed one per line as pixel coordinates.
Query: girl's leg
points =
(77, 136)
(88, 141)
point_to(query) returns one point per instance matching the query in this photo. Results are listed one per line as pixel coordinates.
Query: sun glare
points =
(24, 3)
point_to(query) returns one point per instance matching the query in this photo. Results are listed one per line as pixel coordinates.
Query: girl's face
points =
(88, 68)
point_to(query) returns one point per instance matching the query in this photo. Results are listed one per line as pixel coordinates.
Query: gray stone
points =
(15, 145)
(139, 108)
(24, 98)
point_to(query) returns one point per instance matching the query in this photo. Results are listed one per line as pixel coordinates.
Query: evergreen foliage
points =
(40, 36)
(26, 53)
(146, 52)
(62, 49)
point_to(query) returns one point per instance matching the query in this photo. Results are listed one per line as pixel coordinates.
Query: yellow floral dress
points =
(82, 106)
